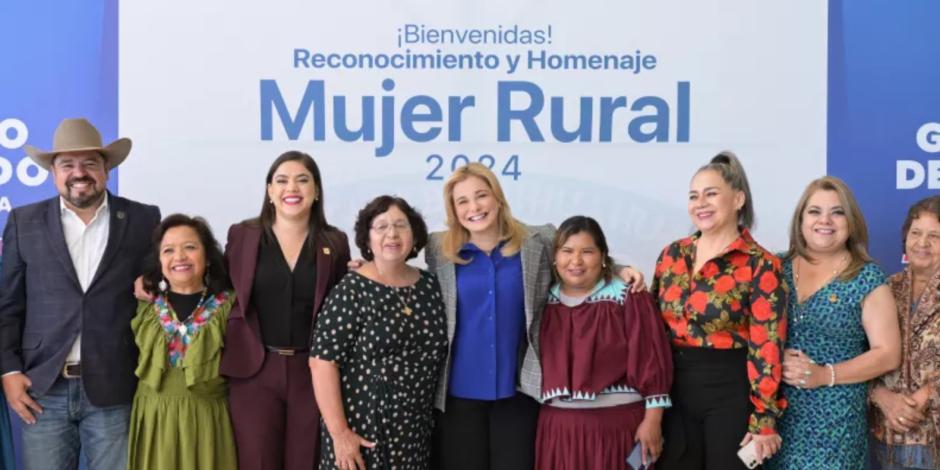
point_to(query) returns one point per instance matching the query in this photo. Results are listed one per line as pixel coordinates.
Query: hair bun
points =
(725, 157)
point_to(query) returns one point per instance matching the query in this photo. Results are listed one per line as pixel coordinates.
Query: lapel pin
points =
(120, 214)
(326, 251)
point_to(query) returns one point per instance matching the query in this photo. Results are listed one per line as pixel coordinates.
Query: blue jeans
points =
(70, 425)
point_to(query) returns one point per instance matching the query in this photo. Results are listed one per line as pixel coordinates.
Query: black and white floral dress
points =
(389, 363)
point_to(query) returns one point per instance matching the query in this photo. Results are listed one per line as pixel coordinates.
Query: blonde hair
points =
(857, 243)
(510, 229)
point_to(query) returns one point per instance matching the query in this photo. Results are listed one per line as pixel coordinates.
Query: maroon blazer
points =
(244, 352)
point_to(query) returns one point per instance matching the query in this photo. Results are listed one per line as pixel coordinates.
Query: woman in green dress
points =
(180, 417)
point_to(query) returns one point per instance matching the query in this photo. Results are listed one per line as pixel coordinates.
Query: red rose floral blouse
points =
(736, 300)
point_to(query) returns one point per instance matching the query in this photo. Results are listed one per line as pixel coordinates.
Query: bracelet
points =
(832, 374)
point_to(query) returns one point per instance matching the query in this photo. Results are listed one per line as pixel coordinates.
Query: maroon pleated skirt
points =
(586, 439)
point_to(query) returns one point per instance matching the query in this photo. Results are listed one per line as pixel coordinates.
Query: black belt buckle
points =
(72, 371)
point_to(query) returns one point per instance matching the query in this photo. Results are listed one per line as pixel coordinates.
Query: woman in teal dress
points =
(843, 332)
(180, 416)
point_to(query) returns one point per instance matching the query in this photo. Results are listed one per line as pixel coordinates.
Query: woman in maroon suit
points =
(282, 264)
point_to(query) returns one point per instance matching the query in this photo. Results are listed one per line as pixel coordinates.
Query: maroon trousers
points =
(275, 416)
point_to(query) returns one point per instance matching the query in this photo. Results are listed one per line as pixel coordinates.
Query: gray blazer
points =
(537, 254)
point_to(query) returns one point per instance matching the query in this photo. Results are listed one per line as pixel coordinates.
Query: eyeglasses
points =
(383, 227)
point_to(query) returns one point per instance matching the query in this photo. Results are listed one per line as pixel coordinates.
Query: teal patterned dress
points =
(826, 428)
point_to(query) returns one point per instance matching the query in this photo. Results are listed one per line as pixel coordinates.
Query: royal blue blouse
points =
(490, 325)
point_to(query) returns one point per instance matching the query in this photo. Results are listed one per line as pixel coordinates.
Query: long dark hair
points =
(215, 262)
(318, 224)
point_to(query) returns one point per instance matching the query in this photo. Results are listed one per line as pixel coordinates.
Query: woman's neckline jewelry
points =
(403, 301)
(181, 325)
(405, 309)
(800, 304)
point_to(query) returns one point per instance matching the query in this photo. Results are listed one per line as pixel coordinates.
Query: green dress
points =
(180, 417)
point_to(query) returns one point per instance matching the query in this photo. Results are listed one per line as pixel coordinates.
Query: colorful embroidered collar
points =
(178, 334)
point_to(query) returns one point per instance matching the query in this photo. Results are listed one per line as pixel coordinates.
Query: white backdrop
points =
(190, 82)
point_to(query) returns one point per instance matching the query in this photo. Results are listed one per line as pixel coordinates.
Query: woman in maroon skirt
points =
(606, 362)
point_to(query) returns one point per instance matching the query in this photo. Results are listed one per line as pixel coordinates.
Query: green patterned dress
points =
(180, 417)
(826, 428)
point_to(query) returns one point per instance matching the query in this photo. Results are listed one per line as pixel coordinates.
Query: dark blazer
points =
(43, 308)
(244, 352)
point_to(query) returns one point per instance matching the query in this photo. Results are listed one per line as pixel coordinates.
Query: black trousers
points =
(486, 435)
(711, 407)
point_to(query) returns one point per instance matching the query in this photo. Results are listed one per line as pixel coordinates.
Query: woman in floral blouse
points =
(906, 413)
(723, 301)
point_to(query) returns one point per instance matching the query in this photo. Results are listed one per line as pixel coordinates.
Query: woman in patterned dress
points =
(905, 416)
(843, 332)
(724, 305)
(378, 348)
(180, 416)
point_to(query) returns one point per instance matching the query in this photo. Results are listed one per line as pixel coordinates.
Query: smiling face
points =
(390, 236)
(80, 178)
(476, 207)
(579, 263)
(825, 226)
(292, 190)
(713, 204)
(922, 244)
(183, 259)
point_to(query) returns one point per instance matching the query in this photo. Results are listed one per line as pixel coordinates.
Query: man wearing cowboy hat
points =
(67, 354)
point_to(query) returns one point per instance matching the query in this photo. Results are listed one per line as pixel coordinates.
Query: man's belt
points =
(72, 371)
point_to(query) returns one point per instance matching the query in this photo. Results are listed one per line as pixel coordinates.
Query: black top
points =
(284, 299)
(183, 305)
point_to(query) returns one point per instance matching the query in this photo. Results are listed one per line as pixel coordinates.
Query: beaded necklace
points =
(179, 334)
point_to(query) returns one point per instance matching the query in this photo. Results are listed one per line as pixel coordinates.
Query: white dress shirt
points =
(86, 247)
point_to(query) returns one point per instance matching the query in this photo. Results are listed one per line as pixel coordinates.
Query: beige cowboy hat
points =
(78, 135)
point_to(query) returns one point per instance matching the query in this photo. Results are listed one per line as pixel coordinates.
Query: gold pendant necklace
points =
(800, 305)
(405, 309)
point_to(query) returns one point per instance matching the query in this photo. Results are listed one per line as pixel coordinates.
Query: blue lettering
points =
(410, 115)
(583, 132)
(271, 97)
(505, 114)
(659, 120)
